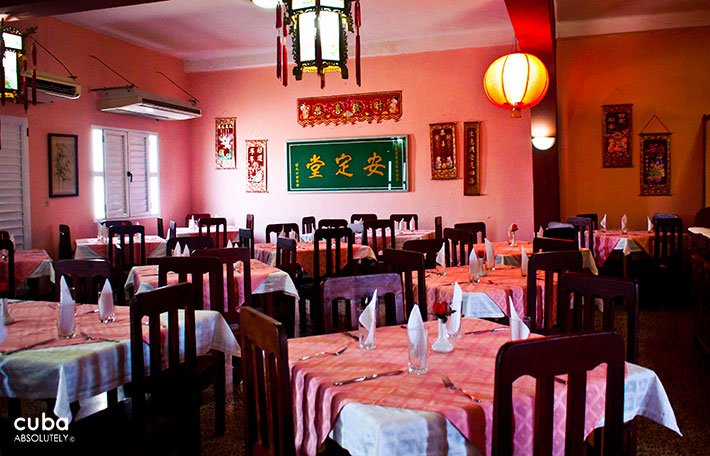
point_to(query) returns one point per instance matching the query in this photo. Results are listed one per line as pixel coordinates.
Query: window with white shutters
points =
(14, 180)
(125, 168)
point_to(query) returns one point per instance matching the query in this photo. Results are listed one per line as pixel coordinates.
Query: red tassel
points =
(284, 29)
(284, 66)
(322, 81)
(34, 73)
(278, 16)
(278, 57)
(358, 77)
(357, 14)
(24, 83)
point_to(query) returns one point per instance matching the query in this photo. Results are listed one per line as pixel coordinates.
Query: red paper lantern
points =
(516, 81)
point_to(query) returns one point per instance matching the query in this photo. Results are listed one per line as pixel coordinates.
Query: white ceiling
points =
(224, 34)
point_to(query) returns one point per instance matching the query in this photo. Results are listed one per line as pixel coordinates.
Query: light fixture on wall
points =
(516, 81)
(543, 142)
(268, 4)
(319, 41)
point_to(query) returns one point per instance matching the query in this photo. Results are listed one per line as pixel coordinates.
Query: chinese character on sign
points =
(343, 163)
(315, 164)
(374, 165)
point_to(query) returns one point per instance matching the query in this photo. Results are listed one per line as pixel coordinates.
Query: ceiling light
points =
(543, 142)
(269, 4)
(516, 81)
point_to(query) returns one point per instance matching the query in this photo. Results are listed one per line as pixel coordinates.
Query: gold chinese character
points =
(343, 163)
(315, 164)
(374, 165)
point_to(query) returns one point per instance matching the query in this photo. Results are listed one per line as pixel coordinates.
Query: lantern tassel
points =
(278, 57)
(25, 96)
(357, 14)
(284, 66)
(278, 15)
(358, 74)
(34, 73)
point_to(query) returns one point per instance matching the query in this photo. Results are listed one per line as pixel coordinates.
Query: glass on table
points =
(418, 350)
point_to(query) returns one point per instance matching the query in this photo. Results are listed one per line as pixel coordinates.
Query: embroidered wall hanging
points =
(616, 136)
(225, 133)
(256, 165)
(341, 109)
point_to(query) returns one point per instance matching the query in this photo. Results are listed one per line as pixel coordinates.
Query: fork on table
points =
(450, 385)
(335, 353)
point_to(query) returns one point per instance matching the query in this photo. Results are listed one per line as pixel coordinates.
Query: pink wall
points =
(437, 87)
(663, 73)
(74, 45)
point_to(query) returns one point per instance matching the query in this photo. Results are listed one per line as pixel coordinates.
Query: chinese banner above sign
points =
(225, 133)
(443, 151)
(256, 165)
(616, 136)
(472, 157)
(358, 164)
(340, 109)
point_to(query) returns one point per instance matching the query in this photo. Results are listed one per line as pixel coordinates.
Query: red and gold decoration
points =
(256, 165)
(516, 81)
(225, 134)
(655, 161)
(341, 109)
(318, 30)
(616, 136)
(472, 158)
(443, 151)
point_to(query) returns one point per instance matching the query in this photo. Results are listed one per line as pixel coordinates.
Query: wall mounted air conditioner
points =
(50, 86)
(129, 100)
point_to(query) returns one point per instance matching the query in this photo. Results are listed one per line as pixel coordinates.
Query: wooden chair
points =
(220, 229)
(267, 396)
(552, 264)
(429, 247)
(308, 224)
(375, 235)
(286, 261)
(702, 218)
(123, 255)
(561, 233)
(4, 235)
(197, 216)
(160, 230)
(277, 228)
(192, 242)
(110, 223)
(65, 248)
(576, 294)
(544, 244)
(7, 273)
(211, 369)
(406, 263)
(438, 227)
(477, 228)
(584, 227)
(172, 229)
(668, 245)
(250, 222)
(356, 290)
(362, 217)
(544, 359)
(458, 246)
(407, 218)
(595, 220)
(86, 276)
(228, 257)
(332, 223)
(286, 257)
(173, 390)
(246, 239)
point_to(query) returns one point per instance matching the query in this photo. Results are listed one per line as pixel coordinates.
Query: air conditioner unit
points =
(49, 86)
(129, 100)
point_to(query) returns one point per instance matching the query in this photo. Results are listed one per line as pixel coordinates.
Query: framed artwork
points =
(256, 165)
(352, 108)
(616, 136)
(472, 158)
(656, 164)
(225, 133)
(63, 165)
(443, 150)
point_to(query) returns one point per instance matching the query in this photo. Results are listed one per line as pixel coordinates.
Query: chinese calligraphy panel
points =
(472, 157)
(616, 136)
(256, 165)
(225, 132)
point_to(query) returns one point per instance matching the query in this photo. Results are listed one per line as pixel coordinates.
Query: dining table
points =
(95, 248)
(232, 231)
(402, 413)
(266, 252)
(507, 254)
(627, 241)
(30, 264)
(35, 364)
(400, 237)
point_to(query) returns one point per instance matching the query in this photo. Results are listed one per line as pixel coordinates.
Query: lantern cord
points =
(24, 83)
(192, 98)
(278, 40)
(319, 51)
(2, 55)
(116, 72)
(643, 132)
(71, 75)
(358, 75)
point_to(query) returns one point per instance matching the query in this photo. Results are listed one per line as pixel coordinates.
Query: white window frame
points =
(24, 145)
(99, 187)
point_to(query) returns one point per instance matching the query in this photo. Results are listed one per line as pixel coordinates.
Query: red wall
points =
(437, 87)
(74, 45)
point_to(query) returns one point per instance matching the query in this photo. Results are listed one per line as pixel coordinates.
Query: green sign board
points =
(377, 164)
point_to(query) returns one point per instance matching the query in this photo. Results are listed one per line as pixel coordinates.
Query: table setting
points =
(97, 248)
(266, 253)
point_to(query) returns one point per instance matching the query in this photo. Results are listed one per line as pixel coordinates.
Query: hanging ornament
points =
(516, 81)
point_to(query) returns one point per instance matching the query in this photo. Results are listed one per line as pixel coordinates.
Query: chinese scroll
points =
(443, 151)
(341, 109)
(256, 165)
(472, 156)
(655, 164)
(225, 142)
(616, 136)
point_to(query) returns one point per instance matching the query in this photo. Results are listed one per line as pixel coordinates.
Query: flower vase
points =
(442, 343)
(512, 240)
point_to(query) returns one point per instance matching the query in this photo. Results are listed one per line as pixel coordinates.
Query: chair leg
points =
(219, 398)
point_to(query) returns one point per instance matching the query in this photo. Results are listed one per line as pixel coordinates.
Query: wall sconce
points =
(543, 142)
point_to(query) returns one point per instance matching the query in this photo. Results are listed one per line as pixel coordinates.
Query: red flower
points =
(440, 308)
(513, 227)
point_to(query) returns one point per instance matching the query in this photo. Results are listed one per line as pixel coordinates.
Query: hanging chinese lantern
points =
(516, 81)
(318, 30)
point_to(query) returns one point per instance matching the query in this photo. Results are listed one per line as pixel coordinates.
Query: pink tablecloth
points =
(607, 241)
(266, 252)
(317, 402)
(30, 263)
(93, 248)
(400, 237)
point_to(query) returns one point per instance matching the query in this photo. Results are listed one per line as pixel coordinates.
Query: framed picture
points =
(256, 165)
(225, 133)
(472, 157)
(616, 136)
(656, 164)
(63, 165)
(443, 150)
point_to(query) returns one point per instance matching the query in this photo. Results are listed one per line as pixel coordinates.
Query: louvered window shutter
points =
(138, 169)
(12, 216)
(116, 181)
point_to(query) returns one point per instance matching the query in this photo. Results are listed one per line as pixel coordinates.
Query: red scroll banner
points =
(341, 109)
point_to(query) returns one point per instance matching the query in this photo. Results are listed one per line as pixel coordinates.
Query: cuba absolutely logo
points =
(42, 429)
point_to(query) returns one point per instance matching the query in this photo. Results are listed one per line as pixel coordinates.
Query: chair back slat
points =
(193, 243)
(246, 239)
(477, 228)
(160, 229)
(333, 238)
(194, 269)
(228, 258)
(172, 229)
(397, 218)
(458, 246)
(308, 224)
(220, 229)
(250, 222)
(277, 228)
(87, 277)
(406, 263)
(429, 247)
(438, 227)
(552, 264)
(65, 247)
(286, 256)
(375, 234)
(584, 227)
(668, 240)
(122, 255)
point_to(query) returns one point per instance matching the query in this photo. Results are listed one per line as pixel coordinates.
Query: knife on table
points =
(368, 377)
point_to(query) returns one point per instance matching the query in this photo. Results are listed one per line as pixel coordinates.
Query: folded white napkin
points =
(523, 261)
(518, 329)
(192, 224)
(441, 256)
(66, 309)
(292, 235)
(177, 251)
(8, 320)
(602, 223)
(106, 301)
(490, 252)
(402, 225)
(185, 251)
(412, 225)
(229, 244)
(416, 337)
(359, 221)
(623, 222)
(368, 318)
(649, 223)
(64, 293)
(282, 234)
(474, 267)
(455, 318)
(627, 248)
(307, 237)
